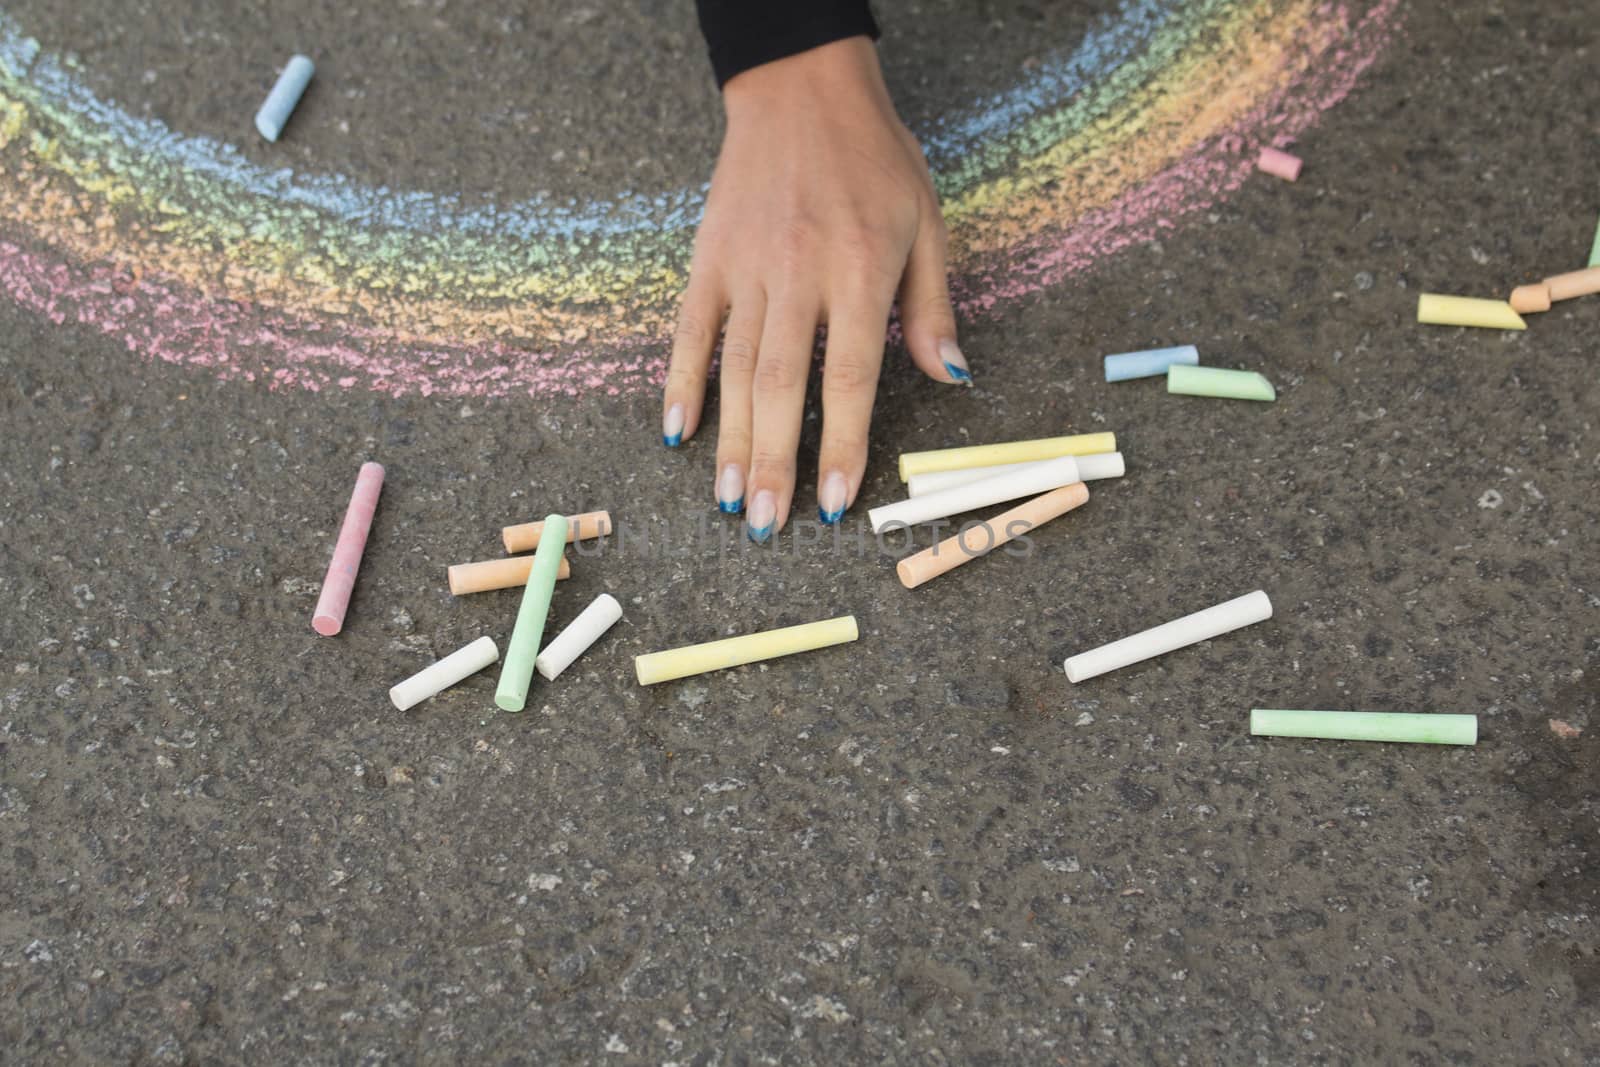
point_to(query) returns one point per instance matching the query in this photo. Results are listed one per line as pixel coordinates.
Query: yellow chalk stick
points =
(717, 655)
(1436, 310)
(958, 459)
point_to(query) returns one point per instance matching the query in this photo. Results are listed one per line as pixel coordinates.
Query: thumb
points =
(926, 316)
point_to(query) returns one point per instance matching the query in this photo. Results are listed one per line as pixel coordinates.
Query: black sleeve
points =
(747, 33)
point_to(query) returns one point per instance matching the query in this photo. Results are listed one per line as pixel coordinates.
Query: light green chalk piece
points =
(1594, 252)
(1214, 381)
(1425, 729)
(516, 673)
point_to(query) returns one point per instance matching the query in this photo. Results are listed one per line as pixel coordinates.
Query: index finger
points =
(699, 323)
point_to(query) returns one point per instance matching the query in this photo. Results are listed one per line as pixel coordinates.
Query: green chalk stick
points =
(516, 673)
(1594, 253)
(1426, 729)
(1214, 381)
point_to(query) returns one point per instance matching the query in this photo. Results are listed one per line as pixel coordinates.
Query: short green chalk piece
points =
(516, 673)
(1594, 252)
(1214, 381)
(1425, 729)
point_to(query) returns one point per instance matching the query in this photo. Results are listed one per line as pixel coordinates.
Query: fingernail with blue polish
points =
(763, 510)
(831, 498)
(730, 490)
(955, 364)
(672, 426)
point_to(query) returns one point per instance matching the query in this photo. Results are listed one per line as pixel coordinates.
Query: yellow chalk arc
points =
(674, 663)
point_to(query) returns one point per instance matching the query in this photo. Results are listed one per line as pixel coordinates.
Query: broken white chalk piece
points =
(654, 667)
(1029, 480)
(1090, 469)
(1420, 729)
(572, 642)
(280, 103)
(463, 662)
(1168, 637)
(1279, 164)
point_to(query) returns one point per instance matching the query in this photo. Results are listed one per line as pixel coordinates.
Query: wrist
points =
(842, 74)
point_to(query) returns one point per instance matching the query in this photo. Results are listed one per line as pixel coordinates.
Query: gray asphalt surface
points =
(219, 843)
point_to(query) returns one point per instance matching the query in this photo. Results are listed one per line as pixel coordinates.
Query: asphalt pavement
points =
(219, 843)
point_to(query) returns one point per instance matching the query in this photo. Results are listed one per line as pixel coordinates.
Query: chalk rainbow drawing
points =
(185, 252)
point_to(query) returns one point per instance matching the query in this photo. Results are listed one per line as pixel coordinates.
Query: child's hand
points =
(820, 210)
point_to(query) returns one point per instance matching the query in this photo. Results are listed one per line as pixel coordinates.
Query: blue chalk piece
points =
(284, 96)
(1149, 364)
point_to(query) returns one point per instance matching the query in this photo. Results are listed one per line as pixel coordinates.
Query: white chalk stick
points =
(1189, 630)
(580, 633)
(1028, 480)
(1090, 468)
(464, 661)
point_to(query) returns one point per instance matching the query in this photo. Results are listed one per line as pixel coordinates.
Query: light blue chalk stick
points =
(284, 96)
(1121, 368)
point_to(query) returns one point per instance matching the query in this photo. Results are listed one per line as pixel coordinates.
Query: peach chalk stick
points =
(1573, 284)
(496, 574)
(985, 537)
(1436, 310)
(1279, 164)
(1526, 299)
(524, 537)
(340, 580)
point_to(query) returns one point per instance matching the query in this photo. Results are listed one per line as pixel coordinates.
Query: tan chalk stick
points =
(1526, 299)
(524, 537)
(496, 574)
(1574, 283)
(982, 539)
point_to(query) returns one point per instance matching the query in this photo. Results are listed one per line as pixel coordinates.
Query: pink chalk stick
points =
(1279, 164)
(341, 577)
